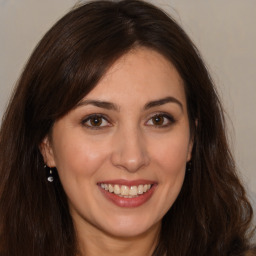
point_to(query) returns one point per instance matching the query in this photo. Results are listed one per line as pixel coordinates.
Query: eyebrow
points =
(163, 101)
(112, 106)
(100, 104)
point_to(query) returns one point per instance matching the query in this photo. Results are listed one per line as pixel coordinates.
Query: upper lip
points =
(127, 182)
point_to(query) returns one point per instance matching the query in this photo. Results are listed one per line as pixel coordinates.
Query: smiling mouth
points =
(126, 191)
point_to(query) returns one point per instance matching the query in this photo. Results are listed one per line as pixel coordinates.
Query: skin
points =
(128, 144)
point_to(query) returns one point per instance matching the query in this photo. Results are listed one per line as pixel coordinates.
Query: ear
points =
(47, 152)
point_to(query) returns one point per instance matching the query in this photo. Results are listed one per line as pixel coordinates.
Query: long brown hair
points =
(211, 216)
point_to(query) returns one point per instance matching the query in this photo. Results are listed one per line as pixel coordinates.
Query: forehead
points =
(142, 74)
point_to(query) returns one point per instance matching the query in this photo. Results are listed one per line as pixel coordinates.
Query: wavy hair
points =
(211, 215)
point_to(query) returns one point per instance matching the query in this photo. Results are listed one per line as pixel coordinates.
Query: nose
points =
(130, 151)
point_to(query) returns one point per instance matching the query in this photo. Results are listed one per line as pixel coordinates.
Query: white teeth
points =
(117, 189)
(133, 191)
(140, 189)
(110, 188)
(126, 191)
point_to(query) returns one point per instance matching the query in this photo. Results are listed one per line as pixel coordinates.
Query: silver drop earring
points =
(49, 173)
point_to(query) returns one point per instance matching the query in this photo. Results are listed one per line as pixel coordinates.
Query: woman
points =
(114, 144)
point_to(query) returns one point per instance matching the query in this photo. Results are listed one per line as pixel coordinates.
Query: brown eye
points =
(95, 121)
(158, 120)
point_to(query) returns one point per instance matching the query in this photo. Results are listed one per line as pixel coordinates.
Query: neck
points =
(93, 243)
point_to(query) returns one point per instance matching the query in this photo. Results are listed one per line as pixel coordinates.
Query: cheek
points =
(79, 158)
(170, 163)
(171, 154)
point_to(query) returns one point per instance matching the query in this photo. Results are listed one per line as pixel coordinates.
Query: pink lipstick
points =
(125, 193)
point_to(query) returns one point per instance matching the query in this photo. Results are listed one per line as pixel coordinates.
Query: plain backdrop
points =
(223, 30)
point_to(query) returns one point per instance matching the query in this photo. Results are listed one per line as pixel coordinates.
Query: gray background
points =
(223, 30)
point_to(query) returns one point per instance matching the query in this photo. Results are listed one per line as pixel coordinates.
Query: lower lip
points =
(129, 202)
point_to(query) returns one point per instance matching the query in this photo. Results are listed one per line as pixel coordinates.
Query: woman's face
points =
(121, 152)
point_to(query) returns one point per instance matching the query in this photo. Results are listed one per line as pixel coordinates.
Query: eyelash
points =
(96, 116)
(168, 120)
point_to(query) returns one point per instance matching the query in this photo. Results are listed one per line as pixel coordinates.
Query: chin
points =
(128, 227)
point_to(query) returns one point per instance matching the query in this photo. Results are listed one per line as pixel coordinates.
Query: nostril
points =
(130, 162)
(129, 150)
